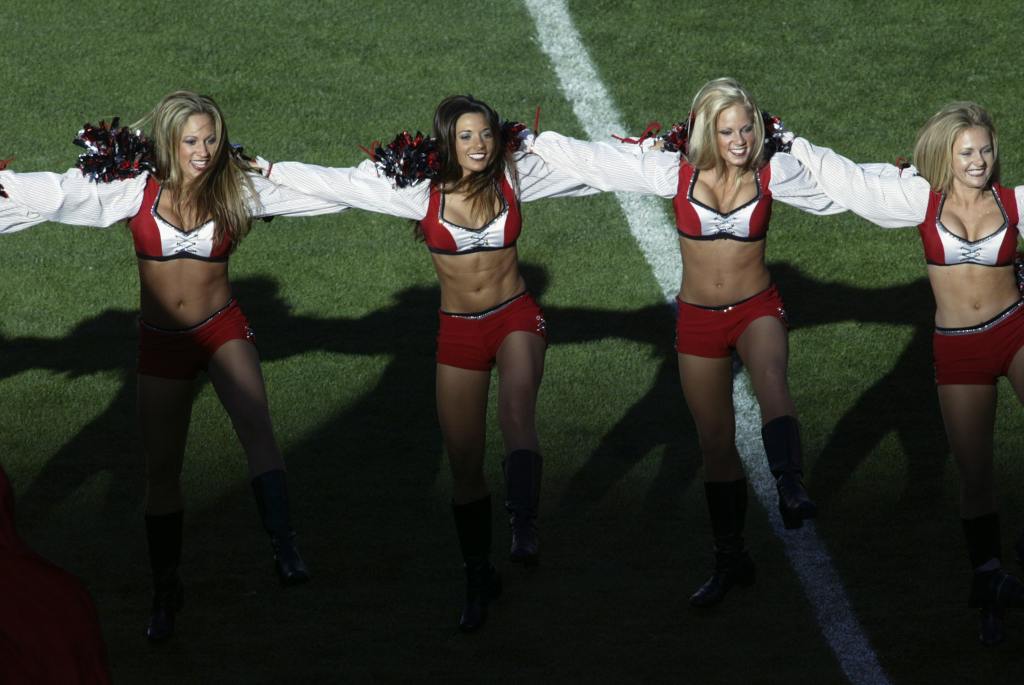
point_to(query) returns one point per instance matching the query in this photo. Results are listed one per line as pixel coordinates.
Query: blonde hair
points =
(715, 97)
(220, 192)
(933, 151)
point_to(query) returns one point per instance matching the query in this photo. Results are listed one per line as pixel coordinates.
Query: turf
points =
(344, 309)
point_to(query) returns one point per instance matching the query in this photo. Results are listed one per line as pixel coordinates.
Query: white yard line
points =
(656, 237)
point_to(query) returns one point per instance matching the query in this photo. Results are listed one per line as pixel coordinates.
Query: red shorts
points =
(184, 353)
(471, 341)
(713, 331)
(979, 355)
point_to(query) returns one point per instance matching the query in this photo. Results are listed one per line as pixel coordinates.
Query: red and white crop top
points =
(364, 187)
(445, 237)
(697, 221)
(942, 247)
(159, 239)
(618, 167)
(897, 198)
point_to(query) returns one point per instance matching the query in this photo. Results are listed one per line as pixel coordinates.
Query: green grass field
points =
(344, 308)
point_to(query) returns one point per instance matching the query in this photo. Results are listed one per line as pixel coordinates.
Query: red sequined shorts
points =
(714, 331)
(471, 341)
(980, 354)
(183, 353)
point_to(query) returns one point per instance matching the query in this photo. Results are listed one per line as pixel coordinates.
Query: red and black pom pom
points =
(777, 138)
(408, 159)
(513, 133)
(113, 152)
(3, 165)
(678, 137)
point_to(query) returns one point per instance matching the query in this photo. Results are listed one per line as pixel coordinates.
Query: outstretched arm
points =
(610, 166)
(361, 187)
(14, 218)
(72, 198)
(791, 183)
(881, 193)
(538, 180)
(271, 199)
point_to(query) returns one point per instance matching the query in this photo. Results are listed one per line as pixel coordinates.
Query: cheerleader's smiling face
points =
(474, 142)
(973, 157)
(197, 145)
(734, 133)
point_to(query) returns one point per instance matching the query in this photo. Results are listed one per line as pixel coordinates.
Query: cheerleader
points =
(188, 202)
(969, 228)
(463, 188)
(722, 183)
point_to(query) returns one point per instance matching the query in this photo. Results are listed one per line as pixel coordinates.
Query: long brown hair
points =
(481, 188)
(219, 193)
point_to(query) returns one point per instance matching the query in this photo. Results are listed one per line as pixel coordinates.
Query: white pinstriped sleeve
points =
(14, 218)
(610, 166)
(878, 192)
(71, 198)
(278, 200)
(1018, 193)
(793, 184)
(538, 180)
(360, 187)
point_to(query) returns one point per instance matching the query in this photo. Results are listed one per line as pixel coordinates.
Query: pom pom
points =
(3, 165)
(514, 134)
(777, 138)
(678, 137)
(113, 152)
(408, 159)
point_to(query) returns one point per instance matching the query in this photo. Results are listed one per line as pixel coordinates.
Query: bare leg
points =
(968, 412)
(462, 413)
(235, 372)
(164, 409)
(707, 387)
(520, 368)
(764, 349)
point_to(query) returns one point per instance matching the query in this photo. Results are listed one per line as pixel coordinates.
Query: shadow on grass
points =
(902, 400)
(380, 541)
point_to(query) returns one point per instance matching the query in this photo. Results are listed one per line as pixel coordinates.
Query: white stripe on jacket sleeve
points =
(72, 198)
(360, 187)
(611, 167)
(877, 192)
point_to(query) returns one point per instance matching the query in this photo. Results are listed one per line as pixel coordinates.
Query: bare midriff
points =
(181, 293)
(478, 281)
(722, 272)
(969, 294)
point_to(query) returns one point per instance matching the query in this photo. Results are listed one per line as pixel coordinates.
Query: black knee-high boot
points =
(522, 470)
(473, 523)
(781, 438)
(727, 504)
(163, 535)
(992, 588)
(271, 491)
